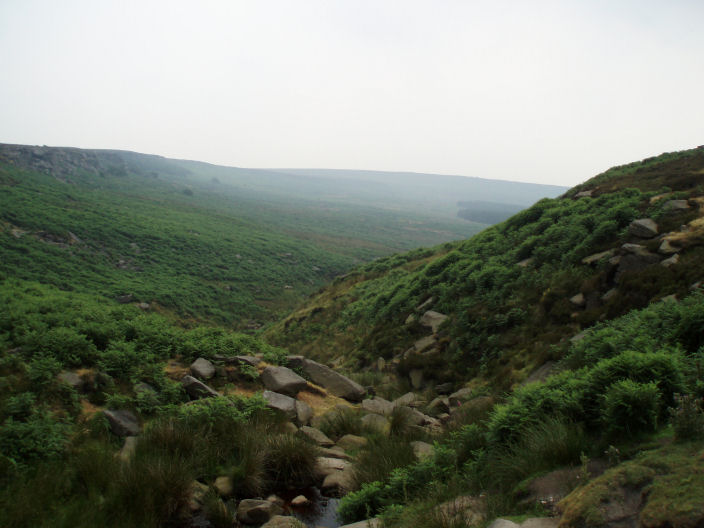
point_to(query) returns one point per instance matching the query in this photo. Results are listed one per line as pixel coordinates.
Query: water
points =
(320, 511)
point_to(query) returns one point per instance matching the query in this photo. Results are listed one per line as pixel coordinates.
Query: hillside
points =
(199, 241)
(545, 373)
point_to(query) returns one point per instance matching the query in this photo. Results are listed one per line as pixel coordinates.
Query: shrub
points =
(340, 422)
(289, 460)
(687, 417)
(379, 457)
(630, 407)
(362, 504)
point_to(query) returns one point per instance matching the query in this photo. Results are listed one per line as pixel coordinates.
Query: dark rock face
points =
(122, 423)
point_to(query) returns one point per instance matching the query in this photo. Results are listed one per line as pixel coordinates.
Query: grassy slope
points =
(504, 317)
(192, 246)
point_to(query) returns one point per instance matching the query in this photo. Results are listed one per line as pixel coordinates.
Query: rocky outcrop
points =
(197, 389)
(283, 380)
(281, 403)
(203, 369)
(122, 423)
(433, 320)
(643, 228)
(327, 378)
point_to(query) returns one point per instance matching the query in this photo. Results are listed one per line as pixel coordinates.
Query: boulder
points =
(375, 422)
(122, 423)
(579, 300)
(458, 397)
(281, 521)
(643, 228)
(334, 452)
(410, 319)
(609, 294)
(369, 523)
(671, 261)
(327, 378)
(541, 373)
(143, 388)
(224, 486)
(440, 405)
(324, 466)
(72, 380)
(197, 389)
(304, 413)
(416, 377)
(338, 483)
(666, 248)
(444, 388)
(128, 448)
(203, 369)
(422, 449)
(290, 428)
(541, 522)
(405, 400)
(378, 405)
(433, 320)
(283, 380)
(423, 344)
(596, 257)
(253, 511)
(675, 205)
(300, 500)
(281, 403)
(425, 304)
(464, 511)
(351, 442)
(316, 435)
(198, 492)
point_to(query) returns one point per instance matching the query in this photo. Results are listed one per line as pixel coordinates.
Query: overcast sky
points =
(540, 91)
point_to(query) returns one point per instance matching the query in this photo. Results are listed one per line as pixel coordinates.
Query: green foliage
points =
(342, 421)
(687, 417)
(289, 460)
(631, 407)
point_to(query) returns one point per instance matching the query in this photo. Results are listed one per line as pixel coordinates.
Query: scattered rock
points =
(596, 257)
(72, 379)
(584, 194)
(301, 500)
(203, 369)
(422, 450)
(380, 364)
(338, 483)
(405, 400)
(423, 344)
(458, 397)
(324, 466)
(579, 300)
(304, 413)
(503, 523)
(128, 448)
(351, 442)
(675, 205)
(643, 228)
(669, 262)
(378, 405)
(283, 380)
(433, 320)
(327, 378)
(316, 435)
(425, 304)
(281, 403)
(197, 389)
(375, 422)
(290, 428)
(122, 423)
(666, 248)
(440, 405)
(224, 486)
(253, 511)
(416, 377)
(143, 388)
(578, 337)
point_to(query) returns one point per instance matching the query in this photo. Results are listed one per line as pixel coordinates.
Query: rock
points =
(337, 483)
(253, 511)
(72, 380)
(334, 452)
(643, 228)
(128, 448)
(351, 442)
(464, 510)
(525, 262)
(410, 319)
(283, 380)
(458, 397)
(369, 523)
(440, 405)
(541, 522)
(675, 205)
(275, 499)
(425, 304)
(423, 344)
(281, 403)
(143, 388)
(637, 258)
(433, 320)
(609, 294)
(122, 423)
(197, 389)
(300, 500)
(596, 257)
(380, 364)
(375, 422)
(503, 523)
(327, 378)
(303, 412)
(281, 521)
(324, 466)
(198, 492)
(144, 306)
(669, 262)
(224, 486)
(578, 300)
(444, 388)
(541, 373)
(666, 248)
(416, 377)
(289, 428)
(405, 400)
(378, 405)
(316, 435)
(584, 194)
(125, 299)
(422, 450)
(203, 369)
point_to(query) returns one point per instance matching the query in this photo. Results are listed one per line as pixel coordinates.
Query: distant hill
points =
(225, 244)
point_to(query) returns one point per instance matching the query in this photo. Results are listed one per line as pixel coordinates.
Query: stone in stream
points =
(283, 380)
(224, 486)
(253, 511)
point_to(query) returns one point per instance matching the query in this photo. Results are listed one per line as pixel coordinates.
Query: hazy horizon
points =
(549, 92)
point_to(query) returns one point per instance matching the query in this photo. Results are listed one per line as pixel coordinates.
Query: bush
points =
(379, 457)
(340, 422)
(687, 418)
(289, 460)
(631, 407)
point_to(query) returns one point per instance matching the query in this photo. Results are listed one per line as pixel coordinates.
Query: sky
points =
(538, 91)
